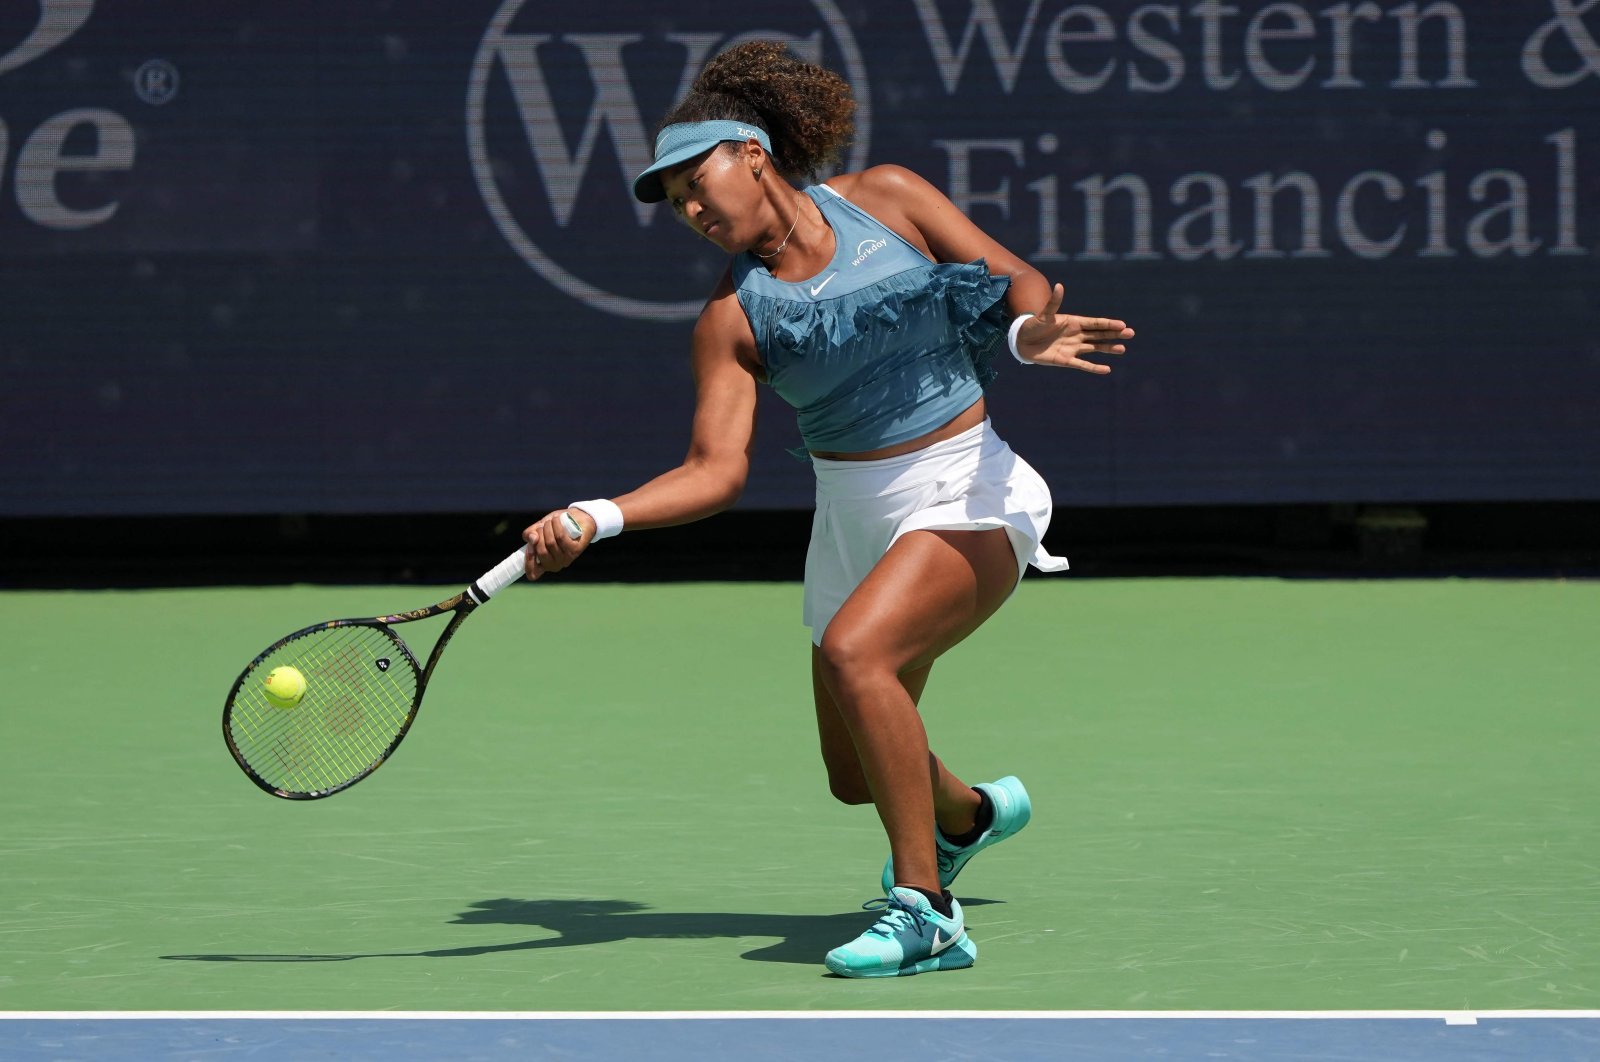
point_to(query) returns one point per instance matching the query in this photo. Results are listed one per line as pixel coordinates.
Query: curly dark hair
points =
(807, 110)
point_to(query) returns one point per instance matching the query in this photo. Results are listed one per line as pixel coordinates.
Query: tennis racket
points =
(363, 687)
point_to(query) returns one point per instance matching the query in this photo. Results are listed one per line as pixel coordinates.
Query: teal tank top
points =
(882, 345)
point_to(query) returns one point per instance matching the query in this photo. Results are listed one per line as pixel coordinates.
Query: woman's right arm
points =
(713, 472)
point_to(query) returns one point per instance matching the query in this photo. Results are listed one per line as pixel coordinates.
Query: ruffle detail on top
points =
(937, 303)
(977, 299)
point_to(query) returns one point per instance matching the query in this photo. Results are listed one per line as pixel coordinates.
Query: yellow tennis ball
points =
(285, 686)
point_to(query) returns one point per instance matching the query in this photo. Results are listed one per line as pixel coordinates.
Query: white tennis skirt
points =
(971, 482)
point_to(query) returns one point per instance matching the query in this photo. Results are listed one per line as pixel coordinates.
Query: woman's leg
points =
(955, 803)
(930, 590)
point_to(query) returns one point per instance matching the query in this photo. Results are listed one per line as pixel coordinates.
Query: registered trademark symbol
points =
(156, 82)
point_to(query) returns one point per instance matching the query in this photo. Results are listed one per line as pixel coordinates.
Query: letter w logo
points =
(613, 109)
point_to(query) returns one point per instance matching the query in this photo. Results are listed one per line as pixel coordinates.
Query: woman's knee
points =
(846, 781)
(848, 658)
(848, 787)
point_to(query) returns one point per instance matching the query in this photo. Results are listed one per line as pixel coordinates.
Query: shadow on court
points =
(803, 939)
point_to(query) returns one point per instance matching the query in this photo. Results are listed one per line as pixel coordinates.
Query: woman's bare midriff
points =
(970, 417)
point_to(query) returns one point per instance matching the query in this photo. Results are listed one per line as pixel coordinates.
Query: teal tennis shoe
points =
(910, 937)
(1012, 810)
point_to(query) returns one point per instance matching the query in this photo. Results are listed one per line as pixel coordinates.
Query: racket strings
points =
(361, 688)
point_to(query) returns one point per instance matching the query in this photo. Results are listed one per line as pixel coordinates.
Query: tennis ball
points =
(285, 686)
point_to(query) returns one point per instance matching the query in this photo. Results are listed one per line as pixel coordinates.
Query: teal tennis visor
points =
(681, 142)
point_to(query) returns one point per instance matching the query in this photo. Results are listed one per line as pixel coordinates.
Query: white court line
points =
(1451, 1017)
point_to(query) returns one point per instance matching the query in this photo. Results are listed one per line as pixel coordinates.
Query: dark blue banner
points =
(381, 257)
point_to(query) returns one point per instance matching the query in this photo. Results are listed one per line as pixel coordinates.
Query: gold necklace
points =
(785, 242)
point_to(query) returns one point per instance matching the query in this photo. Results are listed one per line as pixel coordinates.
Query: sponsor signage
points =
(246, 252)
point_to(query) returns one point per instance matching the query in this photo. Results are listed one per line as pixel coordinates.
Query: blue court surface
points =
(1547, 1036)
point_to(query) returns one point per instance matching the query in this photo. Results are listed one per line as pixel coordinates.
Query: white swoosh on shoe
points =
(940, 945)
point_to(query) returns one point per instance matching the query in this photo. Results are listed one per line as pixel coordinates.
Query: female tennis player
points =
(873, 306)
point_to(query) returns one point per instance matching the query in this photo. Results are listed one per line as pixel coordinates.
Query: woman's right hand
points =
(551, 548)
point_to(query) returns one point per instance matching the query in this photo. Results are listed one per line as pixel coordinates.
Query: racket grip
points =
(499, 577)
(513, 567)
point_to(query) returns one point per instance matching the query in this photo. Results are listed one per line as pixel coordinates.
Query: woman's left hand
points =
(1051, 337)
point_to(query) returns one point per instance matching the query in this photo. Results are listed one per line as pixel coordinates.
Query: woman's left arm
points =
(1048, 336)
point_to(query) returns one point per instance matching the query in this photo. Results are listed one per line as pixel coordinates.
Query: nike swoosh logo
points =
(818, 289)
(940, 945)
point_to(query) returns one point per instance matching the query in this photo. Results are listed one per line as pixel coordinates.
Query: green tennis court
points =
(1249, 794)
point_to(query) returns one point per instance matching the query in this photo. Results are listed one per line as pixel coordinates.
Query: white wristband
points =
(607, 517)
(1011, 338)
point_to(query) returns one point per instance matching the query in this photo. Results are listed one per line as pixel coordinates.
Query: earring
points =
(758, 173)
